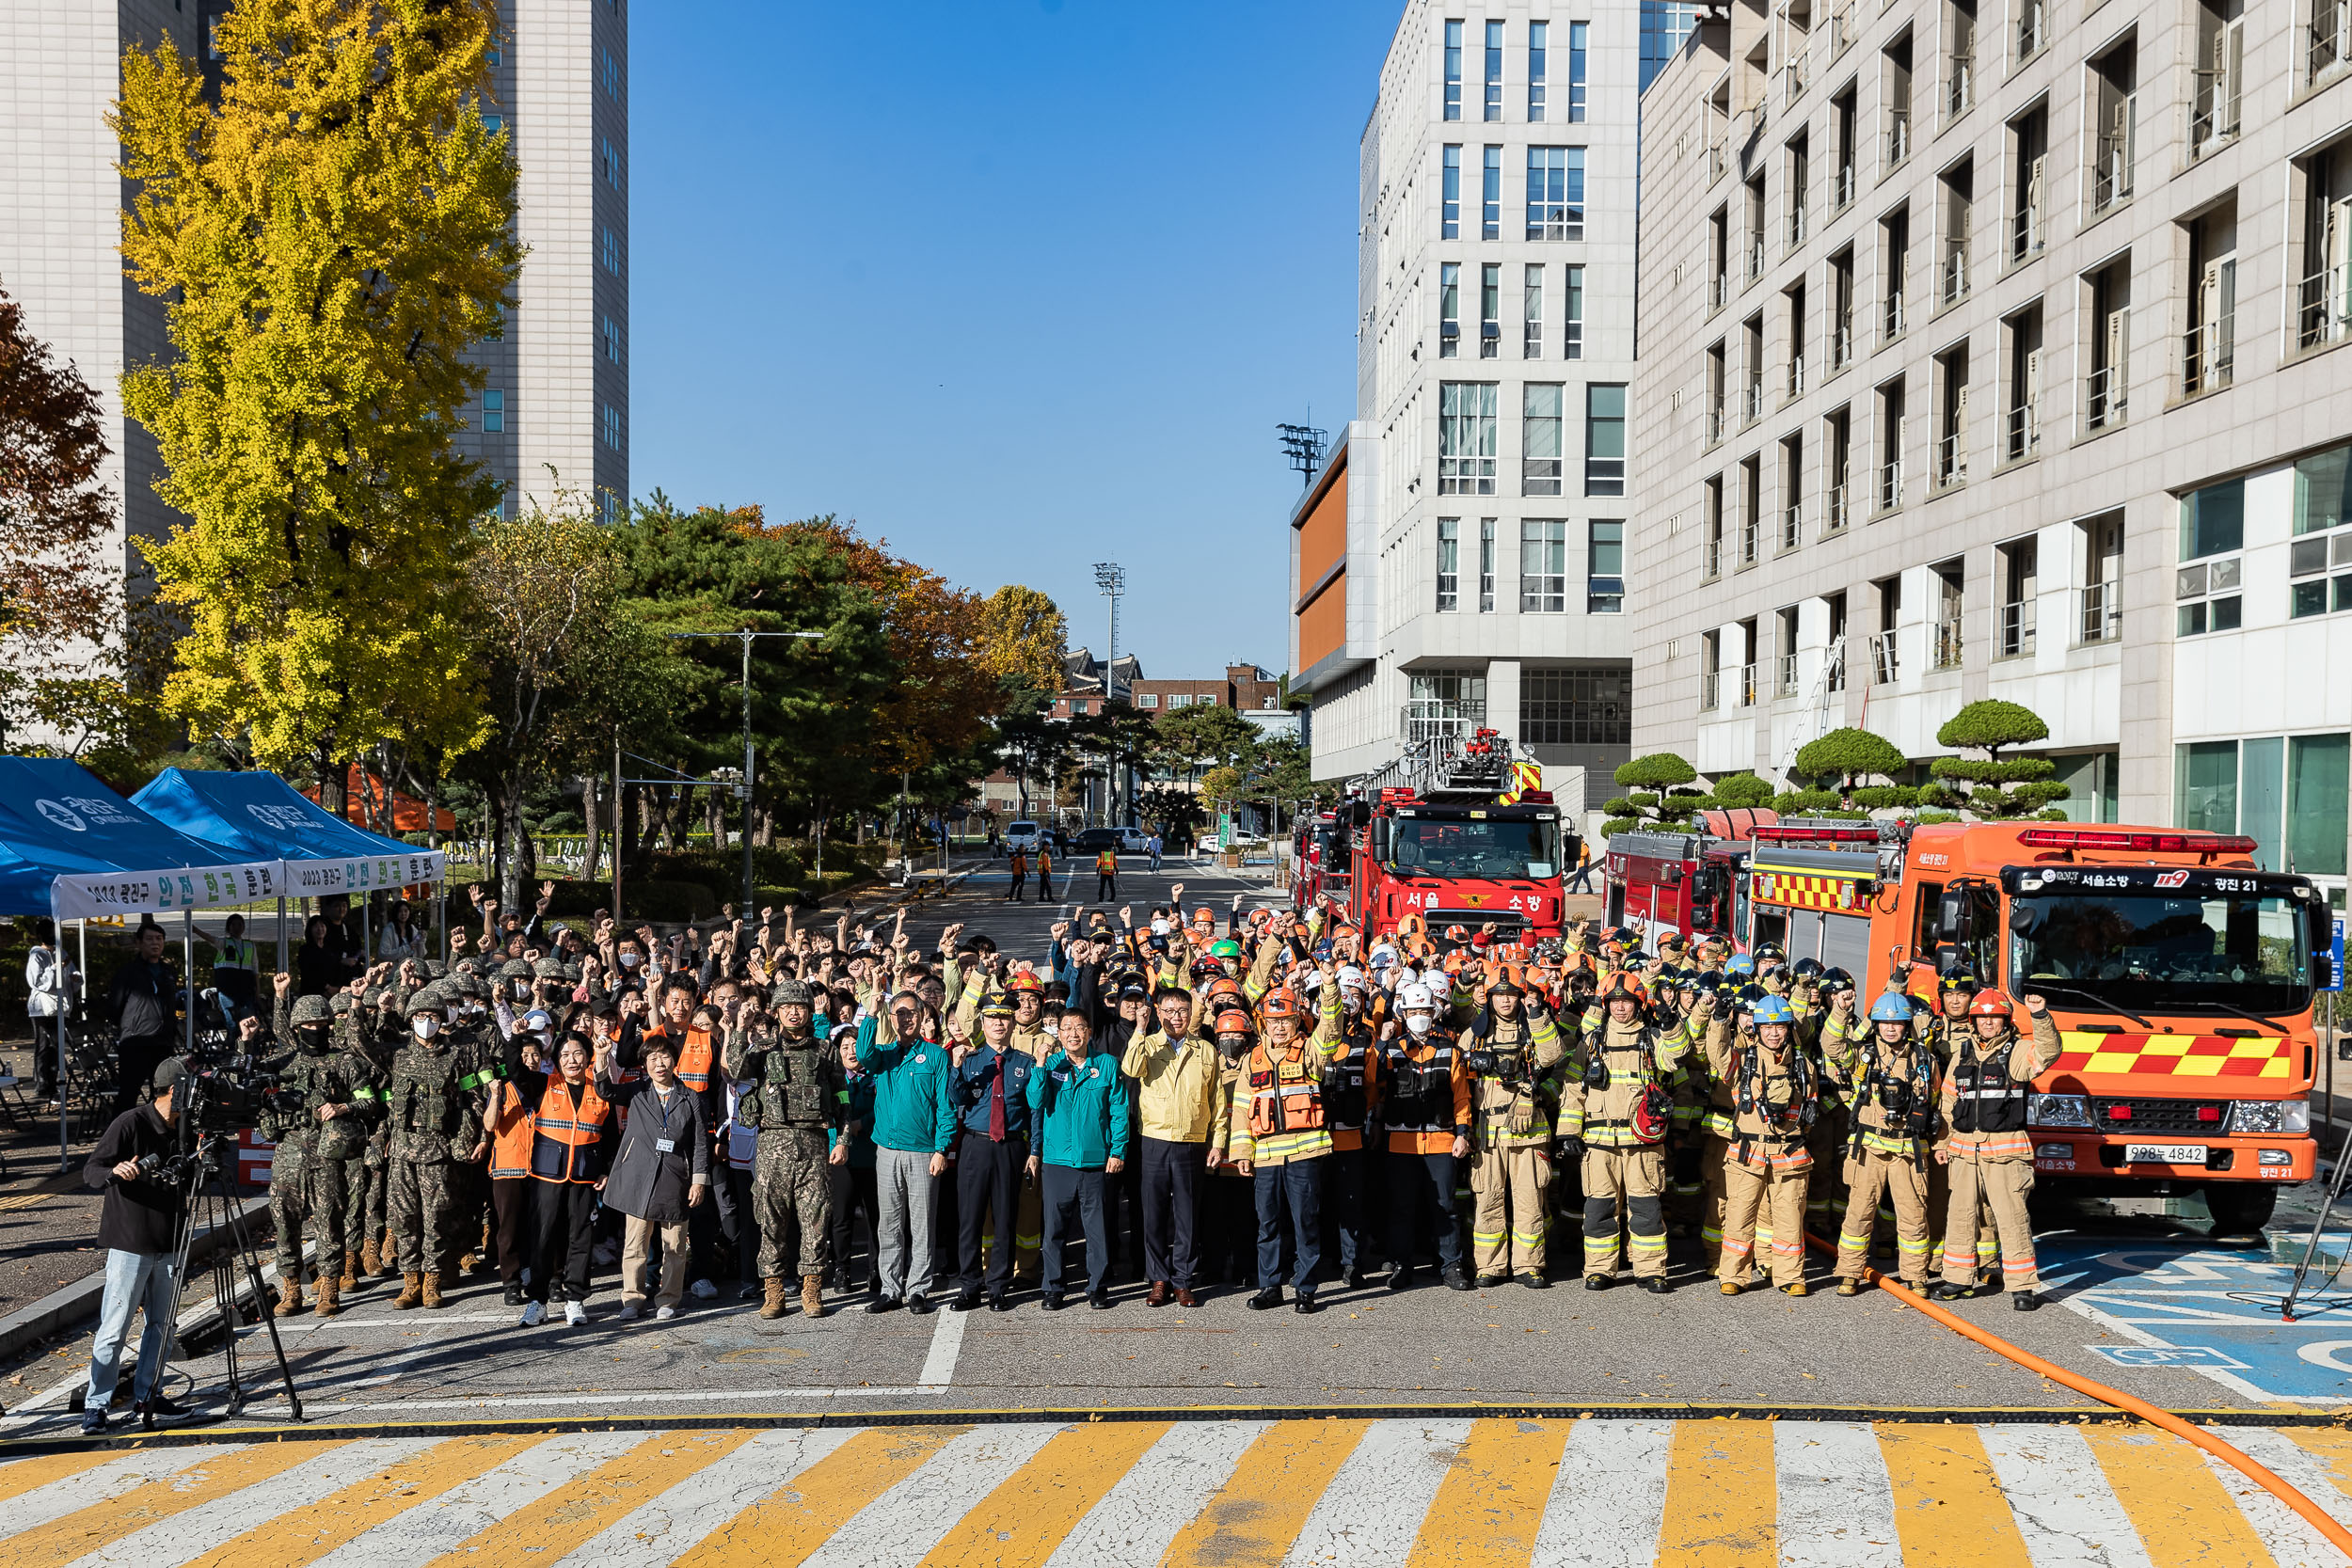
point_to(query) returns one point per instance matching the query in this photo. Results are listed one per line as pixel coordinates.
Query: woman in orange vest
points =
(570, 1125)
(511, 1126)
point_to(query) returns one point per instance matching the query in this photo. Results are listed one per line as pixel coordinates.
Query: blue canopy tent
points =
(73, 850)
(261, 814)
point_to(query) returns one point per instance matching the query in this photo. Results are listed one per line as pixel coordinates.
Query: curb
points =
(70, 1303)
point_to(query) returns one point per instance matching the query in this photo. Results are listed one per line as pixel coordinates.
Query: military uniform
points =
(433, 1121)
(792, 1096)
(1511, 1149)
(309, 1163)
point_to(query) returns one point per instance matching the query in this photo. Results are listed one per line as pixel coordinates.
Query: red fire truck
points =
(1455, 832)
(1686, 882)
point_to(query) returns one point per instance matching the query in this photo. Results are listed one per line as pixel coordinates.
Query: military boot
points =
(326, 1306)
(388, 1257)
(290, 1294)
(350, 1279)
(432, 1289)
(771, 1304)
(813, 1295)
(369, 1258)
(411, 1292)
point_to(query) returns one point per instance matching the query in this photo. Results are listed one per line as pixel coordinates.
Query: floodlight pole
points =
(1111, 579)
(743, 789)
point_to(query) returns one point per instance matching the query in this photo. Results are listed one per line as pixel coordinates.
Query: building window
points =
(1951, 419)
(2319, 787)
(493, 411)
(1449, 564)
(612, 73)
(1486, 565)
(2212, 520)
(1573, 346)
(1452, 71)
(1555, 193)
(2205, 585)
(2207, 595)
(1490, 195)
(2219, 69)
(2114, 76)
(612, 339)
(493, 123)
(2204, 787)
(1540, 438)
(1538, 40)
(1494, 71)
(2324, 302)
(1489, 310)
(1543, 568)
(1466, 437)
(1604, 569)
(612, 427)
(611, 501)
(611, 163)
(612, 251)
(1531, 313)
(1147, 699)
(1449, 309)
(1444, 703)
(494, 56)
(1576, 72)
(1078, 707)
(2103, 579)
(1576, 707)
(2323, 501)
(1604, 439)
(1450, 195)
(2107, 390)
(2209, 350)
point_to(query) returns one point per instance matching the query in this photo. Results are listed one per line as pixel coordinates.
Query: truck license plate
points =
(2164, 1154)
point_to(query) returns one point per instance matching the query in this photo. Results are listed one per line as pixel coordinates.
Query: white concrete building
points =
(1459, 560)
(1990, 350)
(558, 392)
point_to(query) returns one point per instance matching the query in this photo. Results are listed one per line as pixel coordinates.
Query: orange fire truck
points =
(2179, 973)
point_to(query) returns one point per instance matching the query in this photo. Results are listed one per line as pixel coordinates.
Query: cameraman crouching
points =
(139, 1228)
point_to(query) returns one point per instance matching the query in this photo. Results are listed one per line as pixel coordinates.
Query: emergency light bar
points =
(1798, 832)
(2162, 843)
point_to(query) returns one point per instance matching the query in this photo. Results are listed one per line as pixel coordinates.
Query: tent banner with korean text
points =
(255, 813)
(71, 847)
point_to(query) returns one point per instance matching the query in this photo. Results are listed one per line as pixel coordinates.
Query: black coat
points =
(646, 1180)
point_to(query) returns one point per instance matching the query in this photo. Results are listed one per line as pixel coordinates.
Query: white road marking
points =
(1376, 1503)
(103, 1482)
(2293, 1464)
(1138, 1518)
(672, 1524)
(433, 1527)
(939, 1367)
(1836, 1505)
(2289, 1536)
(2126, 1329)
(2060, 1497)
(185, 1537)
(1611, 1495)
(899, 1529)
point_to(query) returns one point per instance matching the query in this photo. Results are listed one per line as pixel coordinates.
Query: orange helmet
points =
(1225, 988)
(1232, 1021)
(1991, 1004)
(1025, 980)
(1205, 917)
(1458, 934)
(1281, 1002)
(1624, 983)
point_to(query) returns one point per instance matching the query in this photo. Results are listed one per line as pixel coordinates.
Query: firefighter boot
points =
(432, 1289)
(411, 1292)
(290, 1294)
(813, 1295)
(772, 1303)
(325, 1305)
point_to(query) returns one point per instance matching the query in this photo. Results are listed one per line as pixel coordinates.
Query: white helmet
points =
(1351, 978)
(1414, 995)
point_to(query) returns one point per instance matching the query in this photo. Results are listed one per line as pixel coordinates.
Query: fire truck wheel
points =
(2240, 1206)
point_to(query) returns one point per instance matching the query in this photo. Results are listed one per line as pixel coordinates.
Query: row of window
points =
(2206, 584)
(2290, 794)
(494, 398)
(1543, 567)
(1559, 705)
(494, 418)
(1534, 331)
(1553, 188)
(1539, 102)
(1467, 444)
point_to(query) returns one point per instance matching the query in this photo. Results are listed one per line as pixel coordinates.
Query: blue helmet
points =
(1774, 1009)
(1740, 964)
(1891, 1007)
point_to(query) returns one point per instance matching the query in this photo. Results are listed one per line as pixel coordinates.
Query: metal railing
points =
(1885, 665)
(2106, 398)
(1894, 315)
(1718, 159)
(1890, 485)
(2031, 33)
(1711, 558)
(1795, 76)
(1752, 404)
(1750, 542)
(1947, 639)
(1833, 509)
(1842, 188)
(1841, 342)
(1792, 524)
(1960, 93)
(1796, 376)
(2102, 611)
(1747, 684)
(2026, 230)
(1786, 685)
(2017, 628)
(2024, 430)
(2214, 118)
(1955, 277)
(1719, 291)
(1442, 718)
(2207, 353)
(1841, 29)
(1897, 136)
(1951, 460)
(1715, 421)
(1710, 689)
(2324, 314)
(1796, 226)
(1835, 673)
(2111, 159)
(1756, 256)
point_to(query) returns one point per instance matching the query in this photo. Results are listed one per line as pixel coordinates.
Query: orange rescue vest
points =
(564, 1138)
(1285, 1094)
(511, 1132)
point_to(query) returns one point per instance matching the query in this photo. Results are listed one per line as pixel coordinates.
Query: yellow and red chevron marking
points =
(1808, 890)
(2177, 1055)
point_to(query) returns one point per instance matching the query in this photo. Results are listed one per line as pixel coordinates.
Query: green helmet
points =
(1229, 948)
(312, 1010)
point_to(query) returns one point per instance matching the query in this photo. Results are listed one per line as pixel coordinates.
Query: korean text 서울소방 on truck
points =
(2181, 977)
(1457, 832)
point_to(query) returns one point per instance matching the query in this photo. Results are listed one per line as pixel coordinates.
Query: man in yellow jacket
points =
(1174, 1068)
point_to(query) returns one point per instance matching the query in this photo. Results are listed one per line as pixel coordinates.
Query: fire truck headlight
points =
(2270, 1115)
(2277, 1157)
(2058, 1110)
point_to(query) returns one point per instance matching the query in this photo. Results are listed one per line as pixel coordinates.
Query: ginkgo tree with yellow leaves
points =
(332, 234)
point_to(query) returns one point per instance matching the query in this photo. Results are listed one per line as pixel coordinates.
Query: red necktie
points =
(996, 1103)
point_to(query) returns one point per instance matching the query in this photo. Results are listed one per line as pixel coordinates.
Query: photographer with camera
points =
(139, 1228)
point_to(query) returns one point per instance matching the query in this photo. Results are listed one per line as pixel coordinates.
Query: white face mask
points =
(426, 1027)
(1420, 1024)
(631, 960)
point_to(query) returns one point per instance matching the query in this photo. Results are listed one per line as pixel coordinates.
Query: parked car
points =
(1023, 837)
(1134, 841)
(1094, 840)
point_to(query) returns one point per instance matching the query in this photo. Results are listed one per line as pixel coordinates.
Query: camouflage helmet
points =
(433, 969)
(312, 1010)
(547, 969)
(790, 992)
(466, 985)
(427, 999)
(466, 966)
(515, 969)
(342, 1001)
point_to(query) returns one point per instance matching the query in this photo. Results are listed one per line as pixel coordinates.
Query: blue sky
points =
(1019, 285)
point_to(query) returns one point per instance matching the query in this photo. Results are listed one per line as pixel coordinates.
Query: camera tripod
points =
(209, 1196)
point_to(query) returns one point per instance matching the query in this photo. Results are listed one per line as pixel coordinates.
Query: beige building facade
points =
(1989, 350)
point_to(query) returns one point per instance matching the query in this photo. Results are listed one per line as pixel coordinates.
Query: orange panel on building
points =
(1322, 531)
(1322, 624)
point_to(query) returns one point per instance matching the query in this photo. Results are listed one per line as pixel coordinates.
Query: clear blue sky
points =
(1019, 285)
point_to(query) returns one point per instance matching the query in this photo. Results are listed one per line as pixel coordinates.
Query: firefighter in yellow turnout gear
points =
(1889, 1078)
(1616, 1106)
(1513, 1052)
(1988, 1149)
(1773, 1102)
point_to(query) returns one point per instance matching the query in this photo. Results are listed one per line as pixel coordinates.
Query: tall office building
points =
(1990, 351)
(558, 393)
(1459, 559)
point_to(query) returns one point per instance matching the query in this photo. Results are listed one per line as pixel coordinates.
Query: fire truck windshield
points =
(1438, 846)
(2150, 952)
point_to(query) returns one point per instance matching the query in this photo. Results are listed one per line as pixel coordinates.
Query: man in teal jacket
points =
(1081, 1109)
(913, 1119)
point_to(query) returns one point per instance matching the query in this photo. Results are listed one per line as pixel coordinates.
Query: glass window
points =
(493, 410)
(611, 163)
(1489, 310)
(612, 339)
(493, 123)
(1486, 565)
(1555, 193)
(1543, 568)
(1449, 309)
(2323, 491)
(1494, 71)
(1452, 71)
(1538, 40)
(1450, 196)
(1540, 440)
(612, 427)
(1532, 312)
(2212, 520)
(1431, 846)
(1576, 72)
(612, 250)
(1449, 563)
(1466, 437)
(1490, 196)
(2319, 793)
(1576, 706)
(2262, 795)
(1575, 347)
(1604, 439)
(2152, 949)
(1147, 699)
(1604, 586)
(2204, 785)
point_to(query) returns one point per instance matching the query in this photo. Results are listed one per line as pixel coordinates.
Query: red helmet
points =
(1624, 983)
(1652, 1114)
(1232, 1022)
(1025, 980)
(1991, 1004)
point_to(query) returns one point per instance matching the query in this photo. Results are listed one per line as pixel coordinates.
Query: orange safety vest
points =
(1285, 1095)
(512, 1131)
(564, 1138)
(696, 1061)
(1106, 863)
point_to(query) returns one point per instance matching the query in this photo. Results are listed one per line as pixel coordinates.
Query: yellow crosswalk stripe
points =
(1948, 1504)
(1019, 1525)
(305, 1534)
(20, 1476)
(784, 1528)
(2331, 1447)
(1255, 1517)
(582, 1507)
(1492, 1500)
(1723, 1496)
(2183, 1516)
(207, 1478)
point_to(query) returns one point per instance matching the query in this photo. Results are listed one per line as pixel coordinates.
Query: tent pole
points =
(69, 1010)
(281, 933)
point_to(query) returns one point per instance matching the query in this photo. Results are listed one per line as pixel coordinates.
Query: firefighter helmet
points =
(1281, 1002)
(1024, 981)
(1991, 1004)
(1229, 948)
(1623, 984)
(1774, 1009)
(1960, 980)
(1891, 1007)
(1653, 1113)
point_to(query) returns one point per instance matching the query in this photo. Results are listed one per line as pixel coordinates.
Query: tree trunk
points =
(596, 828)
(330, 784)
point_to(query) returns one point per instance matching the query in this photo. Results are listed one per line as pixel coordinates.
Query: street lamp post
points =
(743, 788)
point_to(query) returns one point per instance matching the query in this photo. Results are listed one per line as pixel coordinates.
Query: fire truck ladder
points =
(1479, 763)
(1817, 707)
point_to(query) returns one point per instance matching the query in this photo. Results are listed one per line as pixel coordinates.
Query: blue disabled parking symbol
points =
(2187, 1303)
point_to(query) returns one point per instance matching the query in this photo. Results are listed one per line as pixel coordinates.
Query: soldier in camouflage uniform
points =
(374, 1035)
(796, 1100)
(434, 1120)
(316, 1123)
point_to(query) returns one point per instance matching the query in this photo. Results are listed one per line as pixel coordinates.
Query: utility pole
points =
(1111, 579)
(743, 785)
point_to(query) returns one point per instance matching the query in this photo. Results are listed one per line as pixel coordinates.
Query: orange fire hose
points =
(2245, 1463)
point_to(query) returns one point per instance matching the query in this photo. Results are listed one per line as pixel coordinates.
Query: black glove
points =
(1687, 1165)
(1572, 1149)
